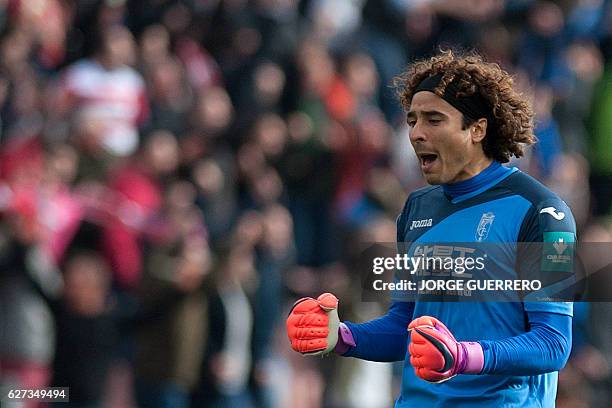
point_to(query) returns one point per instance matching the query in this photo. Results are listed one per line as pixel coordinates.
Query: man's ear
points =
(478, 130)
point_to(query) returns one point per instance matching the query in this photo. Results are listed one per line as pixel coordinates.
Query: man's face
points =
(446, 152)
(119, 47)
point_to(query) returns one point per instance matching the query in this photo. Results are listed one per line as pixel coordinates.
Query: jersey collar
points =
(484, 180)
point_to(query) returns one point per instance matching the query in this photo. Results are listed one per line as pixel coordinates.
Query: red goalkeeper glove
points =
(312, 325)
(435, 354)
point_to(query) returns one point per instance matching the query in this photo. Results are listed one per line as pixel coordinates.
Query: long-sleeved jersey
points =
(525, 343)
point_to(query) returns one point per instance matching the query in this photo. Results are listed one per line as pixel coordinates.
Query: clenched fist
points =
(435, 354)
(312, 325)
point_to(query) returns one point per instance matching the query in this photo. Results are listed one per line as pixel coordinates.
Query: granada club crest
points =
(482, 232)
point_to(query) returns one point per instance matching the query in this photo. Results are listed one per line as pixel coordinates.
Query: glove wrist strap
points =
(345, 340)
(473, 357)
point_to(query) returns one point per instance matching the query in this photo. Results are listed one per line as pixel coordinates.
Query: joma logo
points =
(421, 223)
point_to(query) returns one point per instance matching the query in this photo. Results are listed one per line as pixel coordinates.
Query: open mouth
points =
(427, 159)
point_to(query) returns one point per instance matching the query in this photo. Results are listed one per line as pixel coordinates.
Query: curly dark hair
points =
(511, 112)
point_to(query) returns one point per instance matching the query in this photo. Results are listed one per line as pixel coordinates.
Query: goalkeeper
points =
(465, 120)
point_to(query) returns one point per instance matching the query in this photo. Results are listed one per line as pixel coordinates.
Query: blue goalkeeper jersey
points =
(502, 206)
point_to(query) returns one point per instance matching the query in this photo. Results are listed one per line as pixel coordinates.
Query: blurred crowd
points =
(174, 174)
